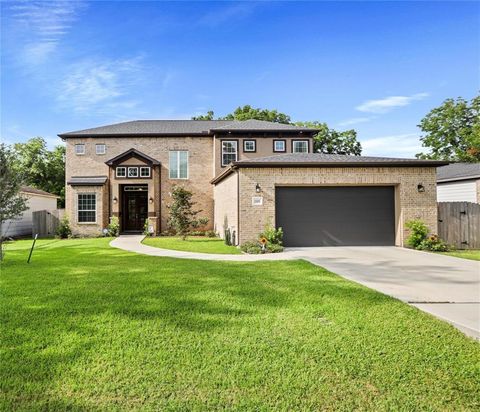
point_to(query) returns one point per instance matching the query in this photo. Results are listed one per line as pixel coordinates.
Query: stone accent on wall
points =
(410, 204)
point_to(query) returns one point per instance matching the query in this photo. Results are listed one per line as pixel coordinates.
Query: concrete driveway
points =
(446, 287)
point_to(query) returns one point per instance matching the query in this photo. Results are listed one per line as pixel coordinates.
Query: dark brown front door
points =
(135, 208)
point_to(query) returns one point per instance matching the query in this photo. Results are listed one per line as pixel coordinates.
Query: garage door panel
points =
(336, 216)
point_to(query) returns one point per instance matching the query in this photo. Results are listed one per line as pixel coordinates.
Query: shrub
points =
(252, 248)
(274, 248)
(64, 231)
(434, 244)
(418, 233)
(273, 236)
(113, 228)
(146, 227)
(227, 237)
(210, 233)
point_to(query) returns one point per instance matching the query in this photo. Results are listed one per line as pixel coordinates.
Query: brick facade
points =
(409, 202)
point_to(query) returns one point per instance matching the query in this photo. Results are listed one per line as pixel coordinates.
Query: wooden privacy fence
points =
(459, 224)
(45, 223)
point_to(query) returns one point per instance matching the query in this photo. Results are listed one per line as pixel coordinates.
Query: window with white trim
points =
(80, 149)
(279, 145)
(300, 146)
(121, 171)
(249, 146)
(100, 149)
(87, 208)
(133, 172)
(178, 164)
(144, 171)
(229, 152)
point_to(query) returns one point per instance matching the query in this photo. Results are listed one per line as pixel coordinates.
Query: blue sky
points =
(378, 67)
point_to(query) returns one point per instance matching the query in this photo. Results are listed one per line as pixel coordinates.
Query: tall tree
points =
(452, 131)
(332, 141)
(40, 167)
(12, 203)
(248, 112)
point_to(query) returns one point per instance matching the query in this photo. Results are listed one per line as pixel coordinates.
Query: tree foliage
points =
(12, 203)
(182, 216)
(40, 167)
(332, 141)
(452, 131)
(248, 112)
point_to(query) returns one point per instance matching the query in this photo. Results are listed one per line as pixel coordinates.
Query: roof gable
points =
(129, 154)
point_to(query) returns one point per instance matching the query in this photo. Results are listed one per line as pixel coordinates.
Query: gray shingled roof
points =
(458, 171)
(180, 127)
(322, 158)
(35, 191)
(87, 180)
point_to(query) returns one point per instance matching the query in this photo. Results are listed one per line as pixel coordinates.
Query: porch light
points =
(115, 200)
(420, 188)
(151, 199)
(258, 189)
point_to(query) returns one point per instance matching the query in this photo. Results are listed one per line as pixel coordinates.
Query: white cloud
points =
(389, 103)
(401, 145)
(355, 120)
(103, 86)
(40, 25)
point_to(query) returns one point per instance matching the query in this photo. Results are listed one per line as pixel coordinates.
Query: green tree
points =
(248, 112)
(12, 203)
(332, 141)
(40, 167)
(452, 131)
(182, 216)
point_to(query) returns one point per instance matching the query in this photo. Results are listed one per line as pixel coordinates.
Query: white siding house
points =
(459, 182)
(36, 200)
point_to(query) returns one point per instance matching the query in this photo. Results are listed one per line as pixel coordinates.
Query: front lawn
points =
(465, 254)
(88, 327)
(198, 244)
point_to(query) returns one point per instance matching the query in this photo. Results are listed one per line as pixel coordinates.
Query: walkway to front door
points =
(135, 207)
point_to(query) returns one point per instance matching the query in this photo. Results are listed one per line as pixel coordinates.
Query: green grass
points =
(465, 254)
(198, 244)
(88, 327)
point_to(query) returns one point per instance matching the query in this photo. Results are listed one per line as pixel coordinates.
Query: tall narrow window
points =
(229, 152)
(178, 164)
(80, 149)
(87, 208)
(300, 146)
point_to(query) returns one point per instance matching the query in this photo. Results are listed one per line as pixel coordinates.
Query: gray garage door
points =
(336, 216)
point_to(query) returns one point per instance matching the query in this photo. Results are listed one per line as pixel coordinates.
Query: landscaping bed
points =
(89, 327)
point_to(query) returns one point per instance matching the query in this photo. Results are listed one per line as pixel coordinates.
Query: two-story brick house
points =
(243, 174)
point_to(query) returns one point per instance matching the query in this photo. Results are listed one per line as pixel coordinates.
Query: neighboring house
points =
(36, 200)
(459, 182)
(243, 175)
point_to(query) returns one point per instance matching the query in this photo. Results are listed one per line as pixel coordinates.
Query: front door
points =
(135, 208)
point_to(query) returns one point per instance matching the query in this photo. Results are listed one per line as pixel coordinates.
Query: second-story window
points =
(100, 149)
(249, 146)
(300, 146)
(178, 164)
(279, 145)
(229, 152)
(144, 171)
(80, 149)
(121, 171)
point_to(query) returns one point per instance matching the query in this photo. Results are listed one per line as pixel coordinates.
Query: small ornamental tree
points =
(182, 215)
(12, 203)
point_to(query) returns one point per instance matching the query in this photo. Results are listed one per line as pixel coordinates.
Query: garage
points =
(336, 215)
